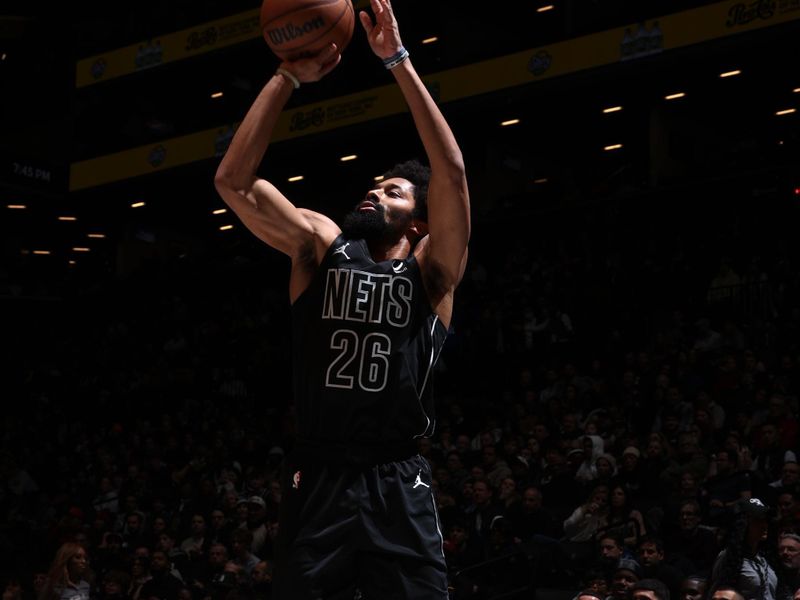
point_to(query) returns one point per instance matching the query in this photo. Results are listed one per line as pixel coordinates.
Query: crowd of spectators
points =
(612, 410)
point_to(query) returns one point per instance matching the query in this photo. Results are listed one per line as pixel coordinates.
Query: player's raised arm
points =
(261, 207)
(448, 195)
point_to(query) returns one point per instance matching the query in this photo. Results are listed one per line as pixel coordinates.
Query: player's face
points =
(387, 209)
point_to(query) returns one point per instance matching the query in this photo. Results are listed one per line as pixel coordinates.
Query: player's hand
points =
(383, 35)
(314, 68)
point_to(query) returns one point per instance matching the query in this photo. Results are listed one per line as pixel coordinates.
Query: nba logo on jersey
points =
(296, 480)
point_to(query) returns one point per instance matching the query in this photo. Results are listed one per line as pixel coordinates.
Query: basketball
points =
(298, 28)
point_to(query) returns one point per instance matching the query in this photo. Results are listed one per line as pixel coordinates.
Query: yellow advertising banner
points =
(603, 48)
(171, 47)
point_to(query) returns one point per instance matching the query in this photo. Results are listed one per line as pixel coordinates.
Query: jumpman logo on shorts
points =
(341, 250)
(419, 481)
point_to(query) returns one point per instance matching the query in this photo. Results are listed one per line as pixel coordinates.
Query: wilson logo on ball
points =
(290, 32)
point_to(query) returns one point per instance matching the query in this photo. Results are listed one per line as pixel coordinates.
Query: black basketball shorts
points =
(346, 529)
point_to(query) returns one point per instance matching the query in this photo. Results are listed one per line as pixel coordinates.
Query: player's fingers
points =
(366, 22)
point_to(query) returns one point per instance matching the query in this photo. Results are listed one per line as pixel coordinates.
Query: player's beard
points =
(369, 225)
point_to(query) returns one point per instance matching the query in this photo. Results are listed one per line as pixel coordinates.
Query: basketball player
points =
(371, 305)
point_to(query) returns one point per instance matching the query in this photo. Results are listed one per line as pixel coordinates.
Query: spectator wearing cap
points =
(740, 564)
(626, 575)
(256, 523)
(789, 565)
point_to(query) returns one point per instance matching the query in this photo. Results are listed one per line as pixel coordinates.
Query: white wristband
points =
(290, 76)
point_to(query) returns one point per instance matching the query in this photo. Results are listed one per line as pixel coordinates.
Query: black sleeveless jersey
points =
(365, 341)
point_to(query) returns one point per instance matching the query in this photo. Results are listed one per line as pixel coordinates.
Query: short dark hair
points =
(651, 539)
(726, 588)
(419, 175)
(651, 585)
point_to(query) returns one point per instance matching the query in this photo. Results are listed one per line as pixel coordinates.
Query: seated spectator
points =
(496, 468)
(623, 517)
(162, 583)
(140, 575)
(530, 518)
(626, 574)
(611, 549)
(689, 539)
(725, 486)
(115, 585)
(589, 518)
(481, 512)
(261, 580)
(789, 565)
(69, 575)
(650, 553)
(241, 542)
(593, 447)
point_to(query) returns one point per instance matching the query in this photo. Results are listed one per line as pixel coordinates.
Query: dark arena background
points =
(623, 364)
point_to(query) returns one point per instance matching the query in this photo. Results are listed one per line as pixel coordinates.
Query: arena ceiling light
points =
(675, 96)
(785, 111)
(540, 180)
(733, 73)
(16, 206)
(611, 109)
(349, 157)
(220, 211)
(97, 236)
(217, 95)
(81, 249)
(41, 252)
(612, 147)
(545, 8)
(71, 262)
(430, 40)
(378, 178)
(226, 228)
(509, 122)
(137, 205)
(295, 178)
(796, 90)
(67, 218)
